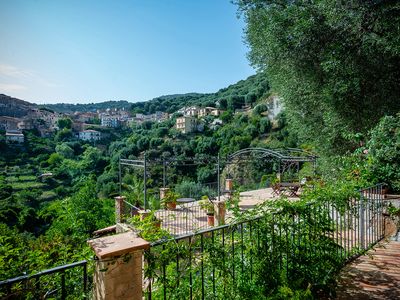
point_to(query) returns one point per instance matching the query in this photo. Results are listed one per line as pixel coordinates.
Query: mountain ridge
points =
(242, 92)
(14, 107)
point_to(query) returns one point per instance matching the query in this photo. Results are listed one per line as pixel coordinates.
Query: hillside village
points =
(282, 185)
(86, 126)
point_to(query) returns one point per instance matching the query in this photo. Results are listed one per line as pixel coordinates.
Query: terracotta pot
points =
(210, 220)
(171, 205)
(157, 224)
(229, 184)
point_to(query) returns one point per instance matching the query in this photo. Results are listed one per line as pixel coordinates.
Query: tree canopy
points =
(336, 64)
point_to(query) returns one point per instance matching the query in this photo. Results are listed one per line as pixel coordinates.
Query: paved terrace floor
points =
(375, 275)
(189, 217)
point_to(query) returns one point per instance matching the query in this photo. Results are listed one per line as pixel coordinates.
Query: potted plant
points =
(156, 222)
(148, 227)
(207, 205)
(169, 201)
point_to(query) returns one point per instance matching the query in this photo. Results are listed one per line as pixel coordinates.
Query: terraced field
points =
(24, 178)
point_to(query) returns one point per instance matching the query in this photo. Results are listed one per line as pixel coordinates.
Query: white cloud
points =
(9, 72)
(10, 87)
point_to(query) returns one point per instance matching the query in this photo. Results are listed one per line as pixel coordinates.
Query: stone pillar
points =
(144, 213)
(219, 212)
(163, 192)
(228, 184)
(119, 267)
(119, 208)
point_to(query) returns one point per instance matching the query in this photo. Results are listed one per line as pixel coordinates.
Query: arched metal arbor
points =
(288, 159)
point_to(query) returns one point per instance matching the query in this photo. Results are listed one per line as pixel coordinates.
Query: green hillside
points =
(234, 96)
(90, 107)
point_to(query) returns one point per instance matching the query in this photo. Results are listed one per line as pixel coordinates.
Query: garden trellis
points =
(288, 161)
(134, 164)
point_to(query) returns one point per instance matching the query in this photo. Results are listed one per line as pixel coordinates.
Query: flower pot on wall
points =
(210, 219)
(157, 223)
(171, 205)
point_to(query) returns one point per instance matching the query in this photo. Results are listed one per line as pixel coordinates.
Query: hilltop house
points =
(85, 117)
(78, 126)
(216, 124)
(26, 124)
(110, 121)
(186, 124)
(205, 111)
(14, 137)
(9, 123)
(158, 116)
(191, 111)
(89, 135)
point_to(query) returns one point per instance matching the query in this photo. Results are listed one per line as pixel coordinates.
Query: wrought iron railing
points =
(129, 210)
(55, 283)
(222, 262)
(197, 190)
(185, 218)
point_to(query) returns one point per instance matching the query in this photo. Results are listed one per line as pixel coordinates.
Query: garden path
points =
(375, 275)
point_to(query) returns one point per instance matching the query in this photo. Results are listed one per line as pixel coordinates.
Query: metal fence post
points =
(362, 221)
(145, 180)
(120, 175)
(218, 175)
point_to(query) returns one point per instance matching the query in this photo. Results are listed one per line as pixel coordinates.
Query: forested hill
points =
(90, 107)
(14, 107)
(243, 92)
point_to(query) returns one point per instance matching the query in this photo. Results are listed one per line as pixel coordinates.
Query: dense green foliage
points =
(48, 203)
(244, 92)
(91, 107)
(383, 152)
(55, 191)
(374, 162)
(336, 64)
(280, 250)
(336, 67)
(161, 140)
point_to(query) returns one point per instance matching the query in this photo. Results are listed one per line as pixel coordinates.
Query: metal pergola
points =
(142, 164)
(287, 158)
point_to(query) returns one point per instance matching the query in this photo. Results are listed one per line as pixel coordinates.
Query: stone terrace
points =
(189, 217)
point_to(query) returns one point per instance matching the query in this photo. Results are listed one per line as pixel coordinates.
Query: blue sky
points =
(98, 50)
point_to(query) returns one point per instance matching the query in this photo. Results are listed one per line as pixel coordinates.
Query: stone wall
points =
(119, 278)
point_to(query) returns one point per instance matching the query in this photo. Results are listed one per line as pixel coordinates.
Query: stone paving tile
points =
(181, 221)
(373, 276)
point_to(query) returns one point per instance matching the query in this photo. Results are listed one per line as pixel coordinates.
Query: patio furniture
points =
(185, 200)
(289, 189)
